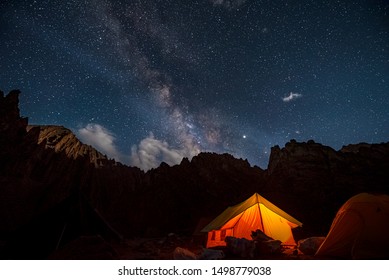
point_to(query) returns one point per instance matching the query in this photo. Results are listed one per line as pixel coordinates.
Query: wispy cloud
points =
(100, 138)
(291, 96)
(151, 152)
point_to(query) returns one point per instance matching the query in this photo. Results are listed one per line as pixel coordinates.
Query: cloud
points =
(150, 152)
(291, 96)
(100, 138)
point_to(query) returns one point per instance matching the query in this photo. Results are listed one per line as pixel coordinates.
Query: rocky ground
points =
(163, 248)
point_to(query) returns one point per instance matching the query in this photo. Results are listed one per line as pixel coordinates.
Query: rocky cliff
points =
(54, 188)
(50, 181)
(318, 179)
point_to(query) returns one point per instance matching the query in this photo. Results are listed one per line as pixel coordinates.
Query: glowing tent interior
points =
(254, 213)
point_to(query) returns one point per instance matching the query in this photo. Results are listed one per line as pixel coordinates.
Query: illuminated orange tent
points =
(360, 229)
(254, 213)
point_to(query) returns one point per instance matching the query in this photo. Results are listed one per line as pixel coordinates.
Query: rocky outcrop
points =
(62, 140)
(12, 126)
(49, 181)
(318, 180)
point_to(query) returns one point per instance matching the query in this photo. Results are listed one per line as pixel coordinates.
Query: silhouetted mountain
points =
(318, 180)
(54, 189)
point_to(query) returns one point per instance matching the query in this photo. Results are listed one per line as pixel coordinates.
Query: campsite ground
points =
(163, 249)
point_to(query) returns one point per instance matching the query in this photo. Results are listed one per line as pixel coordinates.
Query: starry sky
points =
(159, 80)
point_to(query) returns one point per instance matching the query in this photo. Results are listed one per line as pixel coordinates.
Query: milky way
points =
(152, 81)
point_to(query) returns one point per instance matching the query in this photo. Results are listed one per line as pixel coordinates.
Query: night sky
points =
(147, 81)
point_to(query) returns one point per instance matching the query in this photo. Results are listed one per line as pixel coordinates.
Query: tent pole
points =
(260, 214)
(60, 238)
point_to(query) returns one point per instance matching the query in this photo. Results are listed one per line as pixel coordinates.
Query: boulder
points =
(211, 254)
(309, 246)
(241, 247)
(269, 247)
(183, 254)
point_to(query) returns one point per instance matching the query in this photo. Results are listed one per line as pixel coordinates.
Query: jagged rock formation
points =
(61, 139)
(318, 179)
(48, 181)
(12, 126)
(54, 189)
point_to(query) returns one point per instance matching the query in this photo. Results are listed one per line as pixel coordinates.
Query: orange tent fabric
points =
(254, 213)
(360, 229)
